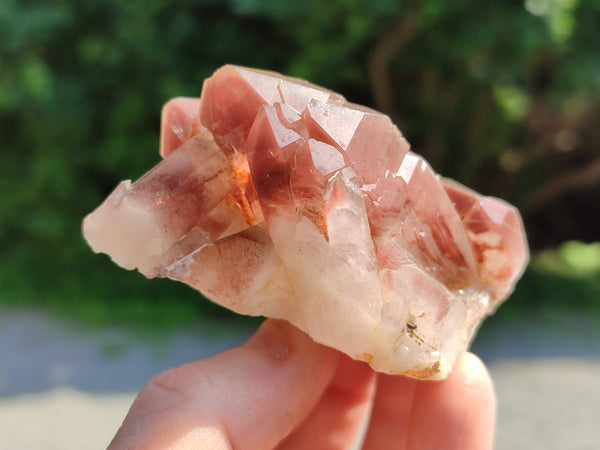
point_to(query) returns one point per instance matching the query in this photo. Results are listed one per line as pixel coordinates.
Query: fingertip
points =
(476, 377)
(456, 413)
(275, 338)
(472, 364)
(278, 339)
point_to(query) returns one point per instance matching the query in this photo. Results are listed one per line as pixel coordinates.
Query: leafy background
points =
(503, 96)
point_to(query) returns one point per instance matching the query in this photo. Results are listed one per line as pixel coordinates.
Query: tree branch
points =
(580, 178)
(387, 46)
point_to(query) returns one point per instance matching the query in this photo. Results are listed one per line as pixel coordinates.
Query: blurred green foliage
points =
(573, 259)
(504, 96)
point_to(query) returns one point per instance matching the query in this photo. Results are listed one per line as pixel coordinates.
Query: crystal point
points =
(277, 197)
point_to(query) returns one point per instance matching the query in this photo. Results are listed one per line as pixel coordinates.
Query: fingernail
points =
(274, 337)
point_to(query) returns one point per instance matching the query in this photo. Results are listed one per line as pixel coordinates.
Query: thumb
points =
(249, 397)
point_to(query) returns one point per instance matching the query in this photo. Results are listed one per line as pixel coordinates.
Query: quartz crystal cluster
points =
(277, 197)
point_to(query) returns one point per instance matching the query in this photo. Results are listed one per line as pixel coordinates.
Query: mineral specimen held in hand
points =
(277, 197)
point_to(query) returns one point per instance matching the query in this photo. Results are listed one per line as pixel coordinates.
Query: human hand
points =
(282, 390)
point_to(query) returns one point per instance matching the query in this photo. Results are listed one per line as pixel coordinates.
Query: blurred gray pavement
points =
(66, 387)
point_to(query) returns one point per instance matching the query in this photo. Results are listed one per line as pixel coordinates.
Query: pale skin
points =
(282, 390)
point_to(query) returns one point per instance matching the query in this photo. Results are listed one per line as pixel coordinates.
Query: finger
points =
(249, 397)
(338, 418)
(391, 413)
(456, 413)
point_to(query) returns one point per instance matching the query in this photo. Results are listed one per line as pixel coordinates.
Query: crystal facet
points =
(277, 197)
